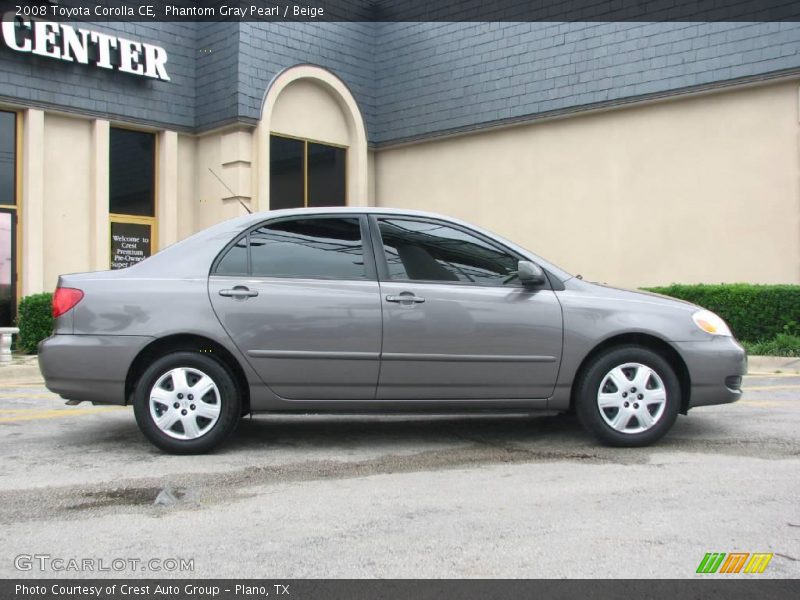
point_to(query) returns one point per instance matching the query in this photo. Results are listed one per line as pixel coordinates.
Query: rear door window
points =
(318, 248)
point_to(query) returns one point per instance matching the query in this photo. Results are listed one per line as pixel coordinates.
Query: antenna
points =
(231, 191)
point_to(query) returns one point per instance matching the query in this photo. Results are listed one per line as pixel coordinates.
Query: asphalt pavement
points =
(341, 497)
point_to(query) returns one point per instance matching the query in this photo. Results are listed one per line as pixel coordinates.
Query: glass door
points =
(8, 276)
(9, 150)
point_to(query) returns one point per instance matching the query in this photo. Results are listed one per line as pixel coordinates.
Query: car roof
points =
(348, 210)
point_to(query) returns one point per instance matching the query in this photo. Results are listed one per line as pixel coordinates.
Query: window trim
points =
(370, 270)
(383, 265)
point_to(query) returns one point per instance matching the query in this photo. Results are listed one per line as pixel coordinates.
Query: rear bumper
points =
(89, 367)
(716, 368)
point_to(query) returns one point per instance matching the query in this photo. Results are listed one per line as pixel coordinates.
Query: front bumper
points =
(716, 368)
(89, 367)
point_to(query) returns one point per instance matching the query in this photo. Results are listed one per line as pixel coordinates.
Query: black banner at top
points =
(405, 10)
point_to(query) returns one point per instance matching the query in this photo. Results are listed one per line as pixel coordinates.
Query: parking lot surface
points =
(342, 497)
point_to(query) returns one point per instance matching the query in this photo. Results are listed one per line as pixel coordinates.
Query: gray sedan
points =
(370, 310)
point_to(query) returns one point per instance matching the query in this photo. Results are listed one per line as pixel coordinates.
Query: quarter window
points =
(235, 261)
(323, 248)
(432, 251)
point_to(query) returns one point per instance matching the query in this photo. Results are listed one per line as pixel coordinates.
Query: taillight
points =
(65, 299)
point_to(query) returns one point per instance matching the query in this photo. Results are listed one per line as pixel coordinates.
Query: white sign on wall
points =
(66, 43)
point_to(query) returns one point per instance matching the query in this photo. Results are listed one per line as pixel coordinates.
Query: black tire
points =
(588, 389)
(227, 398)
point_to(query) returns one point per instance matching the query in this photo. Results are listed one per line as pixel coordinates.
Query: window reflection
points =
(430, 251)
(323, 248)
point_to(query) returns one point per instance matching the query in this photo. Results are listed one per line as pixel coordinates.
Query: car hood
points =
(635, 296)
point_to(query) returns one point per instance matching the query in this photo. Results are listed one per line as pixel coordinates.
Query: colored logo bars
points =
(736, 562)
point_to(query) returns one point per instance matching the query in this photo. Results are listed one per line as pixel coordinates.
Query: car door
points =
(300, 299)
(457, 323)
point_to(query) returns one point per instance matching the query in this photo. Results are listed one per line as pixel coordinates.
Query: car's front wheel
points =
(186, 403)
(628, 396)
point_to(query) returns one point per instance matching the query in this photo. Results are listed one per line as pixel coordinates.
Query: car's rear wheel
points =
(186, 403)
(628, 396)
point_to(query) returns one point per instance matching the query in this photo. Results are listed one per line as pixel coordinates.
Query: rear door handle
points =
(239, 291)
(405, 298)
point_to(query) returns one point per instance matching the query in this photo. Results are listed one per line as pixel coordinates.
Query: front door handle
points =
(405, 298)
(239, 291)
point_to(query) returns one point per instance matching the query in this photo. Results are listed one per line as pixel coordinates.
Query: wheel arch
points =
(652, 342)
(192, 343)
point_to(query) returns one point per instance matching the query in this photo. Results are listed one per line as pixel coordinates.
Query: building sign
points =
(66, 43)
(130, 243)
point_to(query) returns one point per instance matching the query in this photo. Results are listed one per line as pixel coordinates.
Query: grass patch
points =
(782, 344)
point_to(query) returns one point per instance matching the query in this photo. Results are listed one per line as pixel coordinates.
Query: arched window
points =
(314, 142)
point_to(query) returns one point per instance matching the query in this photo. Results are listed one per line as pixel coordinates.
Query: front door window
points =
(432, 251)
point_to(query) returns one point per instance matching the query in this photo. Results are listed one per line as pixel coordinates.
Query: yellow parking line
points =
(767, 375)
(773, 374)
(766, 404)
(779, 373)
(55, 414)
(28, 410)
(757, 388)
(21, 384)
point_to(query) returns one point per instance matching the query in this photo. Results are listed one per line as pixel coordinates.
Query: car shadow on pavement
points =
(324, 431)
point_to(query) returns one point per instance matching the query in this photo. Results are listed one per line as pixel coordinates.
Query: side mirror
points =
(530, 274)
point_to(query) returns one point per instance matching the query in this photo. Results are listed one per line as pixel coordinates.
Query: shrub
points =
(782, 345)
(754, 312)
(35, 321)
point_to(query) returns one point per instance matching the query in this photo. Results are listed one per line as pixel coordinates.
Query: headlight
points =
(711, 323)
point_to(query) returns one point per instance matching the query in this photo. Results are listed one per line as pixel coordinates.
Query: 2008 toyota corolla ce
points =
(369, 310)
